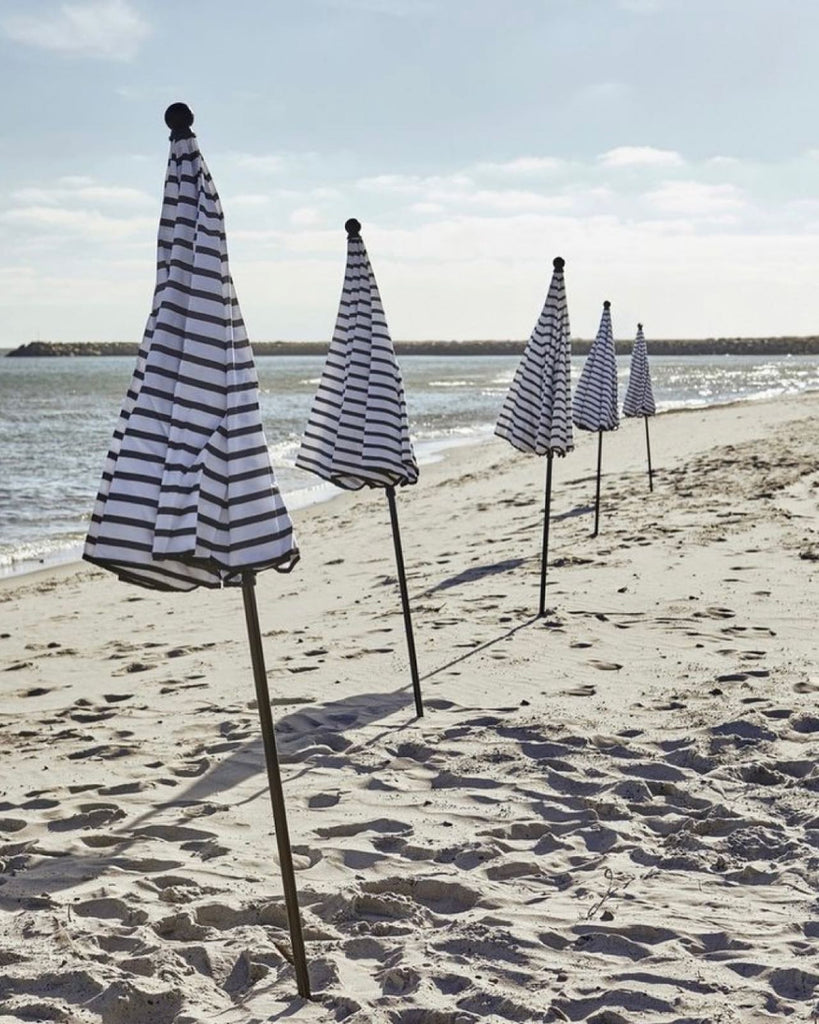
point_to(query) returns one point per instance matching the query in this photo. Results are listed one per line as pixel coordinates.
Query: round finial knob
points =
(639, 327)
(179, 118)
(558, 263)
(607, 304)
(353, 228)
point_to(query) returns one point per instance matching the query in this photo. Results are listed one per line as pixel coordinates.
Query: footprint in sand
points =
(192, 769)
(323, 800)
(605, 666)
(12, 824)
(89, 816)
(583, 690)
(174, 833)
(109, 908)
(381, 825)
(106, 751)
(715, 612)
(91, 716)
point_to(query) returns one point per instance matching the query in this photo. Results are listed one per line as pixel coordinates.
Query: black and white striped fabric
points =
(357, 433)
(639, 400)
(536, 415)
(595, 397)
(188, 496)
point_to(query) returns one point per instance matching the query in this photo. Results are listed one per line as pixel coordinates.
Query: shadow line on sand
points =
(478, 573)
(481, 647)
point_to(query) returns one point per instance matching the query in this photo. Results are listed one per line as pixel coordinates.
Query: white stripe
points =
(188, 496)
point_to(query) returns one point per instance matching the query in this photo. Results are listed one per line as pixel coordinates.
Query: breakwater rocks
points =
(580, 347)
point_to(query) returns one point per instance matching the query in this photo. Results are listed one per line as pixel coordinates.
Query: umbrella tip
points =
(607, 304)
(353, 228)
(639, 327)
(179, 118)
(558, 263)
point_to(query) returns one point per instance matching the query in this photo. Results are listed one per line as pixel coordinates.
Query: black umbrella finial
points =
(558, 263)
(179, 118)
(353, 228)
(607, 304)
(639, 327)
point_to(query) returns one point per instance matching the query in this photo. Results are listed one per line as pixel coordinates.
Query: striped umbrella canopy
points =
(188, 495)
(357, 434)
(595, 398)
(639, 400)
(536, 414)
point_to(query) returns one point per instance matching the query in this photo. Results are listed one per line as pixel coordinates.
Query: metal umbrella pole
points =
(402, 583)
(648, 452)
(547, 506)
(597, 493)
(275, 783)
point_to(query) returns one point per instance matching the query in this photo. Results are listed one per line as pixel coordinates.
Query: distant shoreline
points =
(660, 347)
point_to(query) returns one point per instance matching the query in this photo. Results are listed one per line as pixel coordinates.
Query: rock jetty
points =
(580, 347)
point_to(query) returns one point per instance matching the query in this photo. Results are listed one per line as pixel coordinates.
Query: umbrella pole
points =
(648, 452)
(547, 505)
(597, 493)
(275, 783)
(402, 583)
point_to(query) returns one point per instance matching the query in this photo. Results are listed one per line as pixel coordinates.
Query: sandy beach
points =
(608, 815)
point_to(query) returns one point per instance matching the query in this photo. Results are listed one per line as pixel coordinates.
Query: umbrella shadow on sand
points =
(476, 573)
(573, 513)
(312, 736)
(483, 647)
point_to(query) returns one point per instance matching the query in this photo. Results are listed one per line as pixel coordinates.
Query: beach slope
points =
(607, 815)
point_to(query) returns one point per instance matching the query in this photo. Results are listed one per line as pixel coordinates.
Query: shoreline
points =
(429, 451)
(432, 451)
(782, 346)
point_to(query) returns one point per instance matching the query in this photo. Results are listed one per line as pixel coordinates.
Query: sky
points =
(667, 149)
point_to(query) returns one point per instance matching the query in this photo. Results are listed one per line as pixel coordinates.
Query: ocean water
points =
(57, 416)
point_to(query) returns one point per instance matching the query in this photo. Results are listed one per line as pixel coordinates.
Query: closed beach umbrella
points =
(536, 414)
(639, 400)
(595, 399)
(357, 434)
(188, 497)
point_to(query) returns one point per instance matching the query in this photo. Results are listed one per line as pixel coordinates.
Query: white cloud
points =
(640, 156)
(110, 29)
(695, 199)
(251, 199)
(511, 200)
(524, 165)
(723, 161)
(305, 216)
(264, 164)
(87, 193)
(88, 224)
(415, 184)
